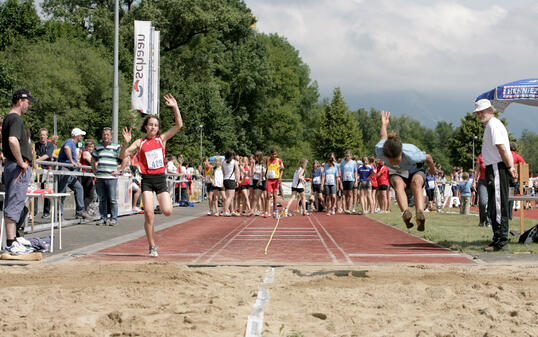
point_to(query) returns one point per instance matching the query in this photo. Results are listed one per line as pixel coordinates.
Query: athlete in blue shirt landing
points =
(406, 170)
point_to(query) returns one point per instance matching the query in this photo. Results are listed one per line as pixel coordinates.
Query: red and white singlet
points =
(151, 156)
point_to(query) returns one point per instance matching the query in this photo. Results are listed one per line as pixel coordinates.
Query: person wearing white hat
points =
(499, 172)
(68, 155)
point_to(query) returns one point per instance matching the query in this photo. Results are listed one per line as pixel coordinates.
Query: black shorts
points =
(262, 186)
(407, 180)
(383, 187)
(154, 182)
(374, 187)
(429, 194)
(208, 187)
(365, 185)
(348, 185)
(243, 187)
(216, 188)
(298, 190)
(316, 188)
(229, 184)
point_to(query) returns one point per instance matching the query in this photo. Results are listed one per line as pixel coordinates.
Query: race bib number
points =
(431, 184)
(316, 180)
(155, 159)
(329, 179)
(271, 174)
(256, 176)
(348, 176)
(401, 173)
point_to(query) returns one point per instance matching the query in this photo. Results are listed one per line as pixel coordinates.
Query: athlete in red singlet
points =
(151, 154)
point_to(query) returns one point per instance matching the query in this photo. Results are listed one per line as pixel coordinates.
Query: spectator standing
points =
(499, 170)
(87, 181)
(68, 155)
(105, 161)
(43, 149)
(465, 189)
(517, 159)
(482, 189)
(18, 156)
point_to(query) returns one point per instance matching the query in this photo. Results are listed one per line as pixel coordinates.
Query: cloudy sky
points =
(427, 59)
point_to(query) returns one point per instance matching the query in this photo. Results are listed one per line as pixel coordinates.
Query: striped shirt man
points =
(108, 159)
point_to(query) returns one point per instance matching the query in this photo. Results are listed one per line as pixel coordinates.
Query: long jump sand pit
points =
(81, 298)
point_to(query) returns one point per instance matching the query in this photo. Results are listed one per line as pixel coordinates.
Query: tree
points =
(338, 130)
(529, 150)
(461, 144)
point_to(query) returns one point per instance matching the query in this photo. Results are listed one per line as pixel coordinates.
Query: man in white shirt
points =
(499, 171)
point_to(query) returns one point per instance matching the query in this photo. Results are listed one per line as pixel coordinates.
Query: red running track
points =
(315, 239)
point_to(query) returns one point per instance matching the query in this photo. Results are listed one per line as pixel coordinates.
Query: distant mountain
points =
(430, 109)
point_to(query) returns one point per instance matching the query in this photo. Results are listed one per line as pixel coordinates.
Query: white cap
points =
(482, 104)
(77, 132)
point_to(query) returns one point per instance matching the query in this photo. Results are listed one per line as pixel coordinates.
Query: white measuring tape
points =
(255, 319)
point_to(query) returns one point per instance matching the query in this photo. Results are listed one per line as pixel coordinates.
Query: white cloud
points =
(426, 46)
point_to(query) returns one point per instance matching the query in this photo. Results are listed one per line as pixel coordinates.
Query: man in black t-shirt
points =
(17, 172)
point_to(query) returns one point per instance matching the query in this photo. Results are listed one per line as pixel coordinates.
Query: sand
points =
(81, 298)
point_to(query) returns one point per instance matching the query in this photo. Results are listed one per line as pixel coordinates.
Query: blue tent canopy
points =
(522, 91)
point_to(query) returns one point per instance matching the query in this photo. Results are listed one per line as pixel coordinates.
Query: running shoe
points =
(265, 215)
(407, 216)
(17, 248)
(101, 222)
(113, 222)
(329, 213)
(235, 214)
(217, 214)
(209, 213)
(333, 212)
(306, 213)
(348, 211)
(227, 214)
(257, 213)
(136, 210)
(421, 221)
(153, 251)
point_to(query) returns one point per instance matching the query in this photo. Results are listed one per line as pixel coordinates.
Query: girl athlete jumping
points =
(151, 154)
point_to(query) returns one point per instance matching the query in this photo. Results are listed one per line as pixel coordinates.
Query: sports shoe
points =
(153, 251)
(480, 224)
(421, 221)
(407, 216)
(329, 213)
(101, 222)
(17, 248)
(227, 214)
(348, 211)
(265, 215)
(285, 212)
(45, 216)
(113, 222)
(83, 215)
(235, 214)
(136, 210)
(333, 212)
(496, 248)
(209, 213)
(257, 213)
(216, 214)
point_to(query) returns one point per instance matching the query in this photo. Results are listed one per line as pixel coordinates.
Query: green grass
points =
(458, 232)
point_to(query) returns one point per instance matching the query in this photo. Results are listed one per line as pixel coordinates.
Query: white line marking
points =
(281, 235)
(334, 241)
(229, 241)
(404, 255)
(218, 242)
(278, 239)
(323, 241)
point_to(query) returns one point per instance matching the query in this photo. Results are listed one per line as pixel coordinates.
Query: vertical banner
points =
(141, 69)
(155, 75)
